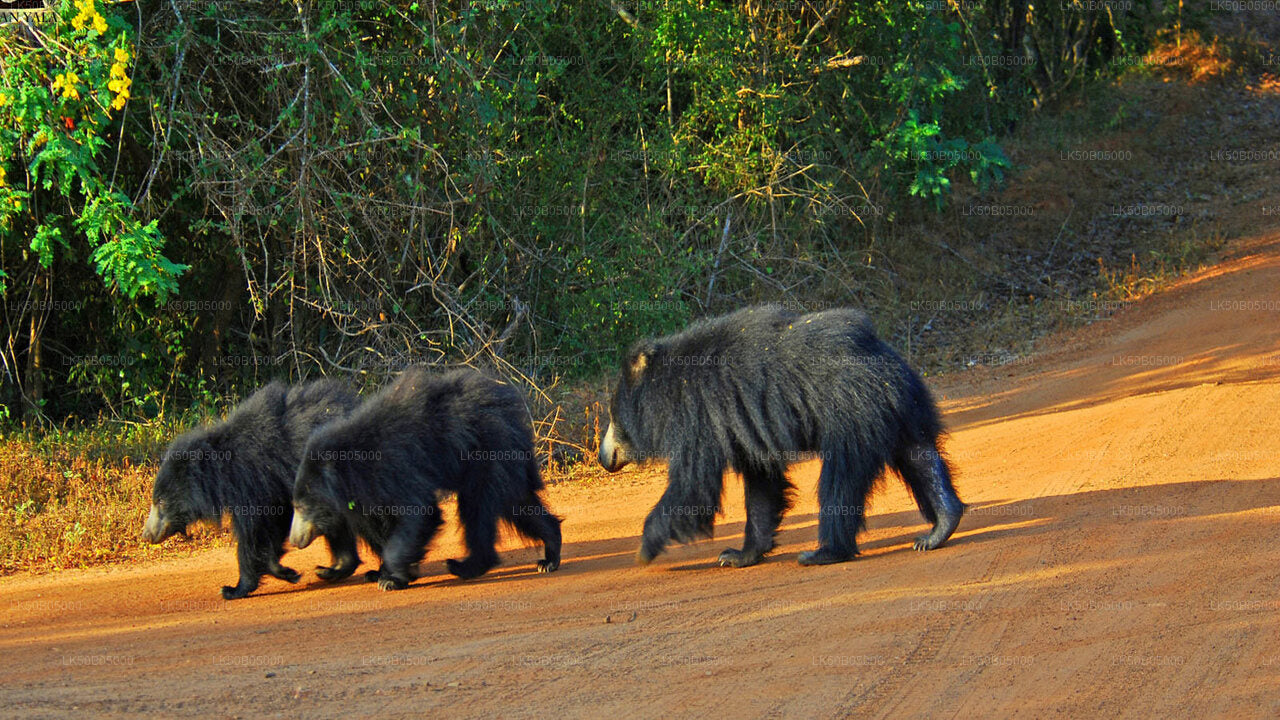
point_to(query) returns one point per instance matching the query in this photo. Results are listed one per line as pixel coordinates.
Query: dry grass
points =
(73, 498)
(1193, 59)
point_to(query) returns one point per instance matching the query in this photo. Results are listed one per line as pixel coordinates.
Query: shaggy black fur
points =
(756, 390)
(383, 468)
(245, 466)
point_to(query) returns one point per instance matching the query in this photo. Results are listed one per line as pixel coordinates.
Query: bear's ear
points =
(638, 360)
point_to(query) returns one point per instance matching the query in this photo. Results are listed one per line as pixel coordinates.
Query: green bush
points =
(345, 187)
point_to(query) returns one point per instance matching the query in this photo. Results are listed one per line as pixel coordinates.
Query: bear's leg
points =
(254, 555)
(905, 462)
(342, 548)
(274, 531)
(376, 546)
(843, 486)
(405, 548)
(689, 505)
(767, 498)
(394, 574)
(479, 515)
(926, 473)
(248, 583)
(533, 520)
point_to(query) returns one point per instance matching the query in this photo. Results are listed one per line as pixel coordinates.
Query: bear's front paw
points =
(646, 554)
(546, 566)
(392, 583)
(233, 593)
(732, 557)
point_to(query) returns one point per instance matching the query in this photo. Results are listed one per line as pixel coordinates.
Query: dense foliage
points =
(197, 194)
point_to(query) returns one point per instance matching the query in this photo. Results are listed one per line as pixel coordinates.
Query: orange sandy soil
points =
(1121, 558)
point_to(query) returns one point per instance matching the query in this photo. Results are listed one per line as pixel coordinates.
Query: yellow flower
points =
(67, 83)
(119, 82)
(88, 15)
(122, 56)
(121, 89)
(4, 99)
(1, 176)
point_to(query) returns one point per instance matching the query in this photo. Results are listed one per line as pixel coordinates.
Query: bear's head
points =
(192, 469)
(316, 507)
(617, 446)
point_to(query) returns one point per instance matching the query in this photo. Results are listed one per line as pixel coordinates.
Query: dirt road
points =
(1121, 557)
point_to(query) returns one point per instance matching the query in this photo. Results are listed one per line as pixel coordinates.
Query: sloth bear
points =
(245, 466)
(382, 469)
(758, 389)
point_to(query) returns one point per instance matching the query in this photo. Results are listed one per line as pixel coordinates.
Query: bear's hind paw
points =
(823, 556)
(330, 574)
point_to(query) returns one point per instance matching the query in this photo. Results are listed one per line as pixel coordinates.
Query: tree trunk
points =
(33, 385)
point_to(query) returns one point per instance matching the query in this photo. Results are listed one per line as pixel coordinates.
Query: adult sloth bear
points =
(245, 466)
(382, 469)
(754, 390)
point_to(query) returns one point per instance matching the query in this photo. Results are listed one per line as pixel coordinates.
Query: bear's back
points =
(771, 333)
(258, 417)
(453, 406)
(312, 405)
